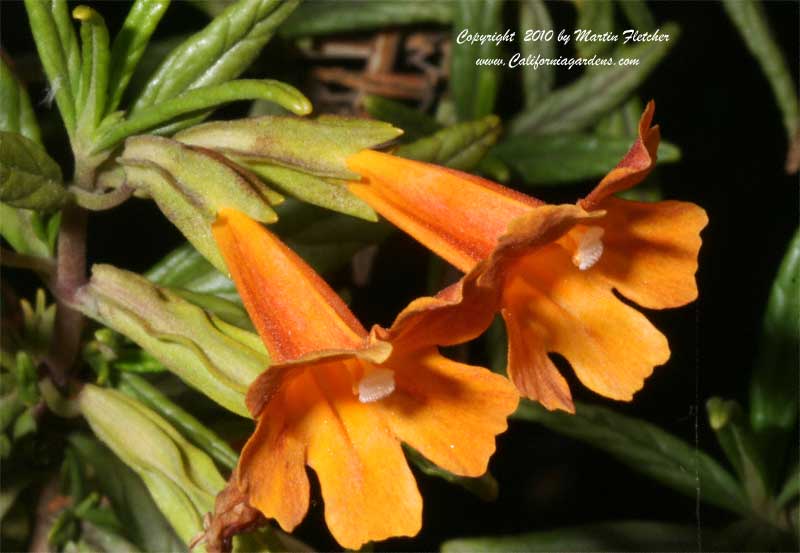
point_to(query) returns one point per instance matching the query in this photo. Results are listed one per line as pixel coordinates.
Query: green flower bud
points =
(206, 353)
(191, 184)
(182, 480)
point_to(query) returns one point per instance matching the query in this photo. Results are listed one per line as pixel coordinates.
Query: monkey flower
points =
(553, 269)
(341, 400)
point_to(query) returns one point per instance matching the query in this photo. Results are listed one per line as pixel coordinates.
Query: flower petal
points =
(634, 167)
(272, 467)
(558, 308)
(457, 215)
(651, 249)
(272, 279)
(369, 491)
(448, 411)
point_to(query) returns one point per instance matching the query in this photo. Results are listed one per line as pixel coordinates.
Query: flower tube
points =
(553, 270)
(341, 400)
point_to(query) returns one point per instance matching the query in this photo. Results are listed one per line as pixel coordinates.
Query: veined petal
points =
(448, 411)
(651, 250)
(294, 310)
(634, 167)
(369, 491)
(558, 308)
(457, 215)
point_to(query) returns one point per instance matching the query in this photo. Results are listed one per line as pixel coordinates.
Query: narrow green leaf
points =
(484, 486)
(609, 536)
(93, 88)
(594, 94)
(58, 49)
(461, 146)
(537, 81)
(16, 112)
(29, 178)
(195, 431)
(218, 53)
(646, 449)
(773, 388)
(328, 193)
(473, 86)
(738, 443)
(567, 158)
(324, 239)
(414, 123)
(320, 18)
(638, 14)
(751, 22)
(623, 121)
(145, 525)
(202, 98)
(597, 17)
(184, 268)
(129, 45)
(791, 488)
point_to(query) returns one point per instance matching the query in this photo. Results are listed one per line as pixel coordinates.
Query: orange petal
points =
(272, 467)
(293, 309)
(650, 250)
(367, 486)
(529, 367)
(457, 215)
(558, 308)
(448, 411)
(636, 164)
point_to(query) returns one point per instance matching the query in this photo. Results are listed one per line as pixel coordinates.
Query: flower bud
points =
(191, 184)
(181, 478)
(218, 360)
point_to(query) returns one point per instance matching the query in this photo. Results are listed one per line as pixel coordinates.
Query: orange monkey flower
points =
(341, 400)
(554, 269)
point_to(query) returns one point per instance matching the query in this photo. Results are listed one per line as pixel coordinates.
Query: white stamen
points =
(376, 385)
(590, 248)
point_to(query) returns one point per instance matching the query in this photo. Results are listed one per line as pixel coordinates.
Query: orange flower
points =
(553, 269)
(340, 400)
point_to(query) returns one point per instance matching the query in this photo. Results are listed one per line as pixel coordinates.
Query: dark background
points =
(714, 102)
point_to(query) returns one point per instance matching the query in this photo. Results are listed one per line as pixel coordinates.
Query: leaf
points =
(610, 536)
(202, 98)
(317, 18)
(594, 94)
(791, 488)
(414, 123)
(646, 449)
(130, 44)
(315, 146)
(16, 112)
(191, 428)
(186, 269)
(598, 17)
(218, 53)
(485, 486)
(749, 19)
(461, 146)
(638, 14)
(21, 228)
(474, 87)
(327, 193)
(537, 81)
(145, 525)
(29, 178)
(773, 388)
(567, 158)
(93, 89)
(739, 444)
(325, 240)
(59, 52)
(623, 121)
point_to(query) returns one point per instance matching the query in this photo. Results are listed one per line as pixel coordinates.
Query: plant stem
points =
(70, 275)
(21, 261)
